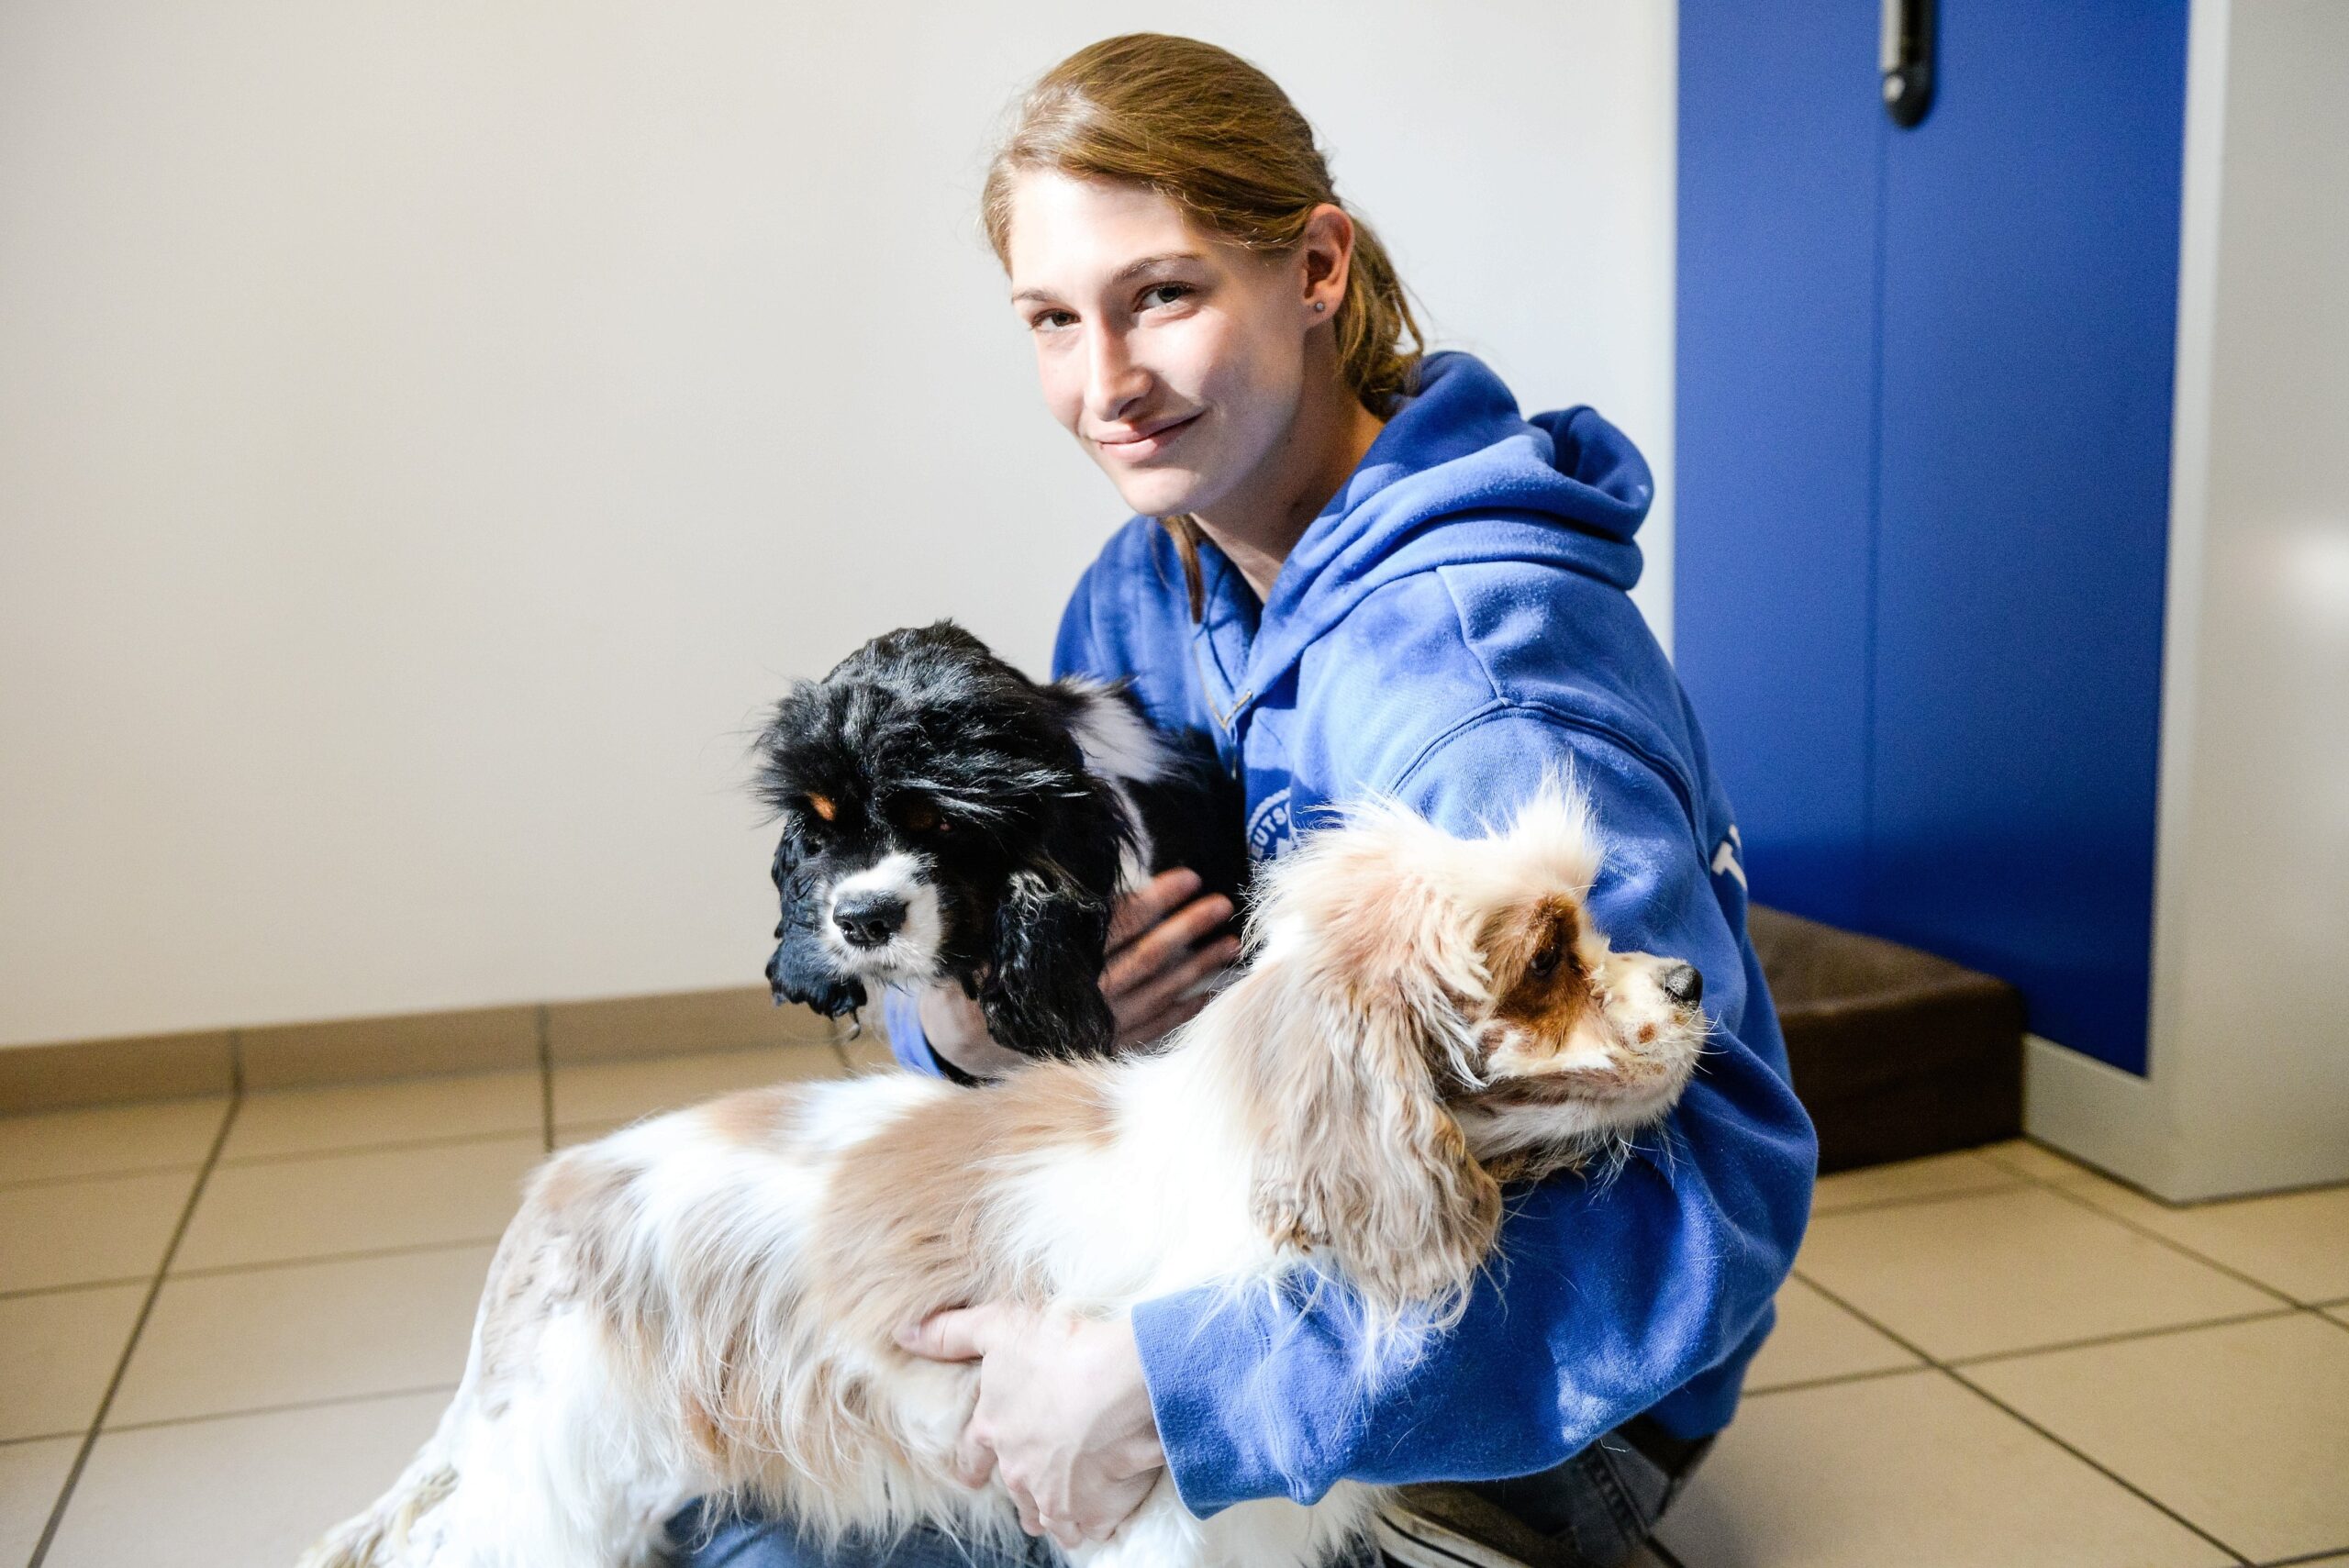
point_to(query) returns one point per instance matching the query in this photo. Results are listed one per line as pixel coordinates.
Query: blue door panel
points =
(1924, 382)
(2029, 318)
(1776, 430)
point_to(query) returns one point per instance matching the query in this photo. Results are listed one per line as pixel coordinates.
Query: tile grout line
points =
(1833, 1380)
(40, 1438)
(29, 1292)
(364, 1255)
(2022, 1173)
(1996, 1403)
(223, 1270)
(389, 1146)
(35, 1183)
(2064, 1191)
(285, 1407)
(2021, 1352)
(2181, 1248)
(139, 1324)
(2122, 1337)
(290, 1156)
(1911, 1200)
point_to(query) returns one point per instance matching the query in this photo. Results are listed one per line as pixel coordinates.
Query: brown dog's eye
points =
(1545, 960)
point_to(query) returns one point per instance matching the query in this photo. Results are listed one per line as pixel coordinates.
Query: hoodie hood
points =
(1563, 489)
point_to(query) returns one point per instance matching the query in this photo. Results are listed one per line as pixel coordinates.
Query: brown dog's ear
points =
(1361, 1164)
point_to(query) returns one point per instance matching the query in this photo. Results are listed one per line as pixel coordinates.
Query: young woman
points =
(1360, 571)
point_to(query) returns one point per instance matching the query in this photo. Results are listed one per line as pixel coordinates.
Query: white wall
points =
(2249, 1081)
(429, 432)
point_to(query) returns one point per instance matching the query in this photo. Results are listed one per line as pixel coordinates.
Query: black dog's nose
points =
(868, 919)
(1683, 984)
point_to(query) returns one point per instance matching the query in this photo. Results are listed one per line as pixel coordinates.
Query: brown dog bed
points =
(1896, 1053)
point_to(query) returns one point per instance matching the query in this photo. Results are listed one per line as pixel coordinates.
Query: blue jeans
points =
(755, 1542)
(1593, 1511)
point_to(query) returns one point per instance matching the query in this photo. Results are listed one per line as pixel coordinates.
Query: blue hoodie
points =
(1453, 628)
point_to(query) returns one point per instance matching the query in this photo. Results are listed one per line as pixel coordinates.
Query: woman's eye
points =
(1166, 293)
(1049, 320)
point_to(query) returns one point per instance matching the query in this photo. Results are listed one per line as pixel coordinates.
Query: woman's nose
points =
(1115, 384)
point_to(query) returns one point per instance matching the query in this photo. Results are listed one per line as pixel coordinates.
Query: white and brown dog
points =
(704, 1304)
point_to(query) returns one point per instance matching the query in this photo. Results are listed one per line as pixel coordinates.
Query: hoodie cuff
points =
(901, 1021)
(1201, 1353)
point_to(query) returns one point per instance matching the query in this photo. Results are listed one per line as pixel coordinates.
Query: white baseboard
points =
(2120, 1124)
(2097, 1114)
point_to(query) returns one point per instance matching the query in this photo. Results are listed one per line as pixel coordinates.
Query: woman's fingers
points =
(973, 1458)
(1153, 1007)
(1143, 1032)
(1146, 906)
(957, 1334)
(1164, 945)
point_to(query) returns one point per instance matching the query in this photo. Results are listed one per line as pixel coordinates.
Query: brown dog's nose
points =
(1683, 983)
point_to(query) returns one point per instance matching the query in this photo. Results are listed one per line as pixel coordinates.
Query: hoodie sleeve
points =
(1643, 1290)
(909, 1042)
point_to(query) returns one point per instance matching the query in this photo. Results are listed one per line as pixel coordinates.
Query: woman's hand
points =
(1063, 1414)
(1155, 962)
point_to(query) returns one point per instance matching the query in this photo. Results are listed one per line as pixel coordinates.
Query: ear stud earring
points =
(1319, 306)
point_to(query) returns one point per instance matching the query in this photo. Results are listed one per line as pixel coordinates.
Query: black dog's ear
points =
(1041, 991)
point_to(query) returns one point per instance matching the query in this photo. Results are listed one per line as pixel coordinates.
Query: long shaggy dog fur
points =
(944, 818)
(703, 1305)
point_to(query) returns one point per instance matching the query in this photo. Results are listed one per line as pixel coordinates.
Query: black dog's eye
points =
(921, 817)
(1545, 960)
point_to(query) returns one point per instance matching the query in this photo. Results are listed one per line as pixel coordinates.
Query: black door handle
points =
(1906, 58)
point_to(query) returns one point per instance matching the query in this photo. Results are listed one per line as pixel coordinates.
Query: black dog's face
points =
(939, 823)
(871, 895)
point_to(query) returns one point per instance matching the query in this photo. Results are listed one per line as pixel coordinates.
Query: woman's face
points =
(1176, 360)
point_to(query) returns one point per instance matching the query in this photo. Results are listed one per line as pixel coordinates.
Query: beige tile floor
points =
(224, 1325)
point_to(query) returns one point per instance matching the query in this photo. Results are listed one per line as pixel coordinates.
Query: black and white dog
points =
(945, 817)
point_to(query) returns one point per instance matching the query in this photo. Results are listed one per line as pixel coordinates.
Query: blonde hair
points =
(1217, 137)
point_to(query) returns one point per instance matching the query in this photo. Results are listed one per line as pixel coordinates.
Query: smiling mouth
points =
(1149, 443)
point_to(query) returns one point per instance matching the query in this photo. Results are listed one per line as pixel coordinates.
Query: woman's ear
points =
(1363, 1164)
(1327, 249)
